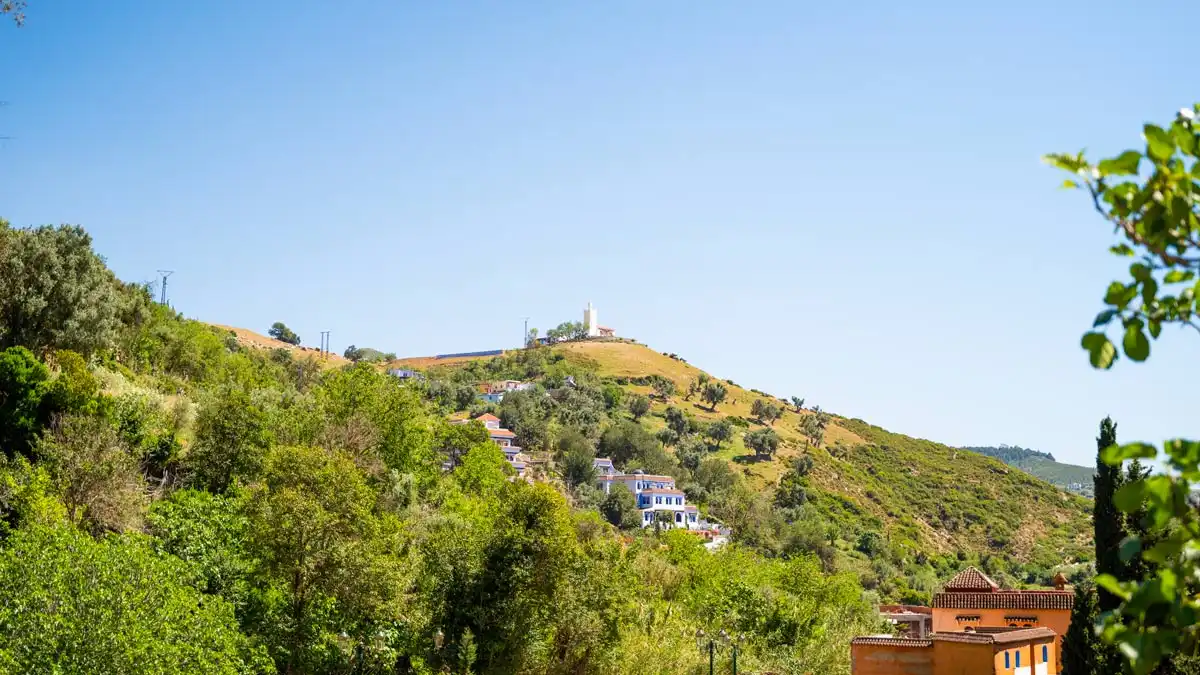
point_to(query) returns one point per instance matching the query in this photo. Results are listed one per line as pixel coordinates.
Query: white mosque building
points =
(591, 322)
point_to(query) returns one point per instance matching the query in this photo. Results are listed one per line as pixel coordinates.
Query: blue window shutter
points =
(1018, 658)
(1006, 662)
(1045, 654)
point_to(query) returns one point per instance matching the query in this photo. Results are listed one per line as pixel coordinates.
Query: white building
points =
(591, 323)
(654, 494)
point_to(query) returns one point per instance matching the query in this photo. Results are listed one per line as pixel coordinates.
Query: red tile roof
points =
(1005, 600)
(501, 432)
(487, 417)
(998, 638)
(971, 579)
(891, 641)
(662, 491)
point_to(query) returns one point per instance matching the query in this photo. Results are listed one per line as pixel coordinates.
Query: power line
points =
(165, 274)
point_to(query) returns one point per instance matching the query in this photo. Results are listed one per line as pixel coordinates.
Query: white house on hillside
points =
(655, 494)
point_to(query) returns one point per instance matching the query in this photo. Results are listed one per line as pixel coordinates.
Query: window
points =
(658, 500)
(1006, 662)
(679, 501)
(1045, 654)
(1018, 658)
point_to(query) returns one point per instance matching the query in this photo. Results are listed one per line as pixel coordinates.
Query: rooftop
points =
(998, 637)
(487, 417)
(1005, 600)
(971, 580)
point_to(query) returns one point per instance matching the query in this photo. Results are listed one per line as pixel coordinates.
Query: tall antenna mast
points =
(165, 274)
(525, 335)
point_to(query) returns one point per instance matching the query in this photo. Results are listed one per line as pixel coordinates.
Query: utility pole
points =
(525, 335)
(165, 274)
(324, 343)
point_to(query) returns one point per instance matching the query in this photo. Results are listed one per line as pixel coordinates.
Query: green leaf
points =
(1176, 276)
(1101, 351)
(1125, 164)
(1149, 290)
(1185, 455)
(1158, 143)
(1109, 583)
(1121, 249)
(1183, 137)
(1118, 294)
(1139, 271)
(1155, 328)
(1128, 498)
(1137, 347)
(1072, 163)
(1162, 551)
(1130, 547)
(1115, 454)
(1104, 317)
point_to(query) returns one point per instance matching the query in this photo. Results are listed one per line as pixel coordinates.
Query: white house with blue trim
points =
(655, 495)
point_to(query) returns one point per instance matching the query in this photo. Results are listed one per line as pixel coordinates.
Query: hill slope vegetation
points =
(868, 490)
(1070, 477)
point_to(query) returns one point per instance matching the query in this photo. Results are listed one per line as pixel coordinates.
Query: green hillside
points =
(1070, 477)
(925, 501)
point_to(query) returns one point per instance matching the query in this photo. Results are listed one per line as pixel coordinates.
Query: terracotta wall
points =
(868, 659)
(1057, 620)
(961, 658)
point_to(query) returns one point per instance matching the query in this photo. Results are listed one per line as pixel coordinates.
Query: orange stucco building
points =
(1000, 651)
(972, 601)
(978, 629)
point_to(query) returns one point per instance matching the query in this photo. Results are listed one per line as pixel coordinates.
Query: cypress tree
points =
(1108, 523)
(1081, 647)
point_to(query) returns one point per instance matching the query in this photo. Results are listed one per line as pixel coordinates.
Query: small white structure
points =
(591, 324)
(590, 321)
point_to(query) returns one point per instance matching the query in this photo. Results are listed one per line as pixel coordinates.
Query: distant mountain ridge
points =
(1070, 477)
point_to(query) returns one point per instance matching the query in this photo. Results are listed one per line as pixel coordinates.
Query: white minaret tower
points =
(590, 322)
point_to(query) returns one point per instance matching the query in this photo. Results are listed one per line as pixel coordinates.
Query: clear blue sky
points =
(843, 203)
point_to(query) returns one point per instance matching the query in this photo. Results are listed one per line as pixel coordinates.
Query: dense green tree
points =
(72, 604)
(381, 423)
(714, 394)
(620, 508)
(23, 383)
(677, 420)
(208, 532)
(813, 425)
(281, 332)
(1108, 522)
(792, 491)
(1082, 650)
(626, 441)
(326, 561)
(232, 438)
(870, 544)
(719, 431)
(353, 354)
(576, 454)
(57, 292)
(613, 396)
(528, 414)
(696, 386)
(663, 387)
(638, 406)
(798, 403)
(95, 474)
(764, 442)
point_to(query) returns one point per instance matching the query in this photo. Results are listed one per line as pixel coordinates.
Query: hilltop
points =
(924, 497)
(1070, 477)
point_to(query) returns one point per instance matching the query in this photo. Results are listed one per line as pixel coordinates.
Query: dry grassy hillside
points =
(918, 491)
(249, 338)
